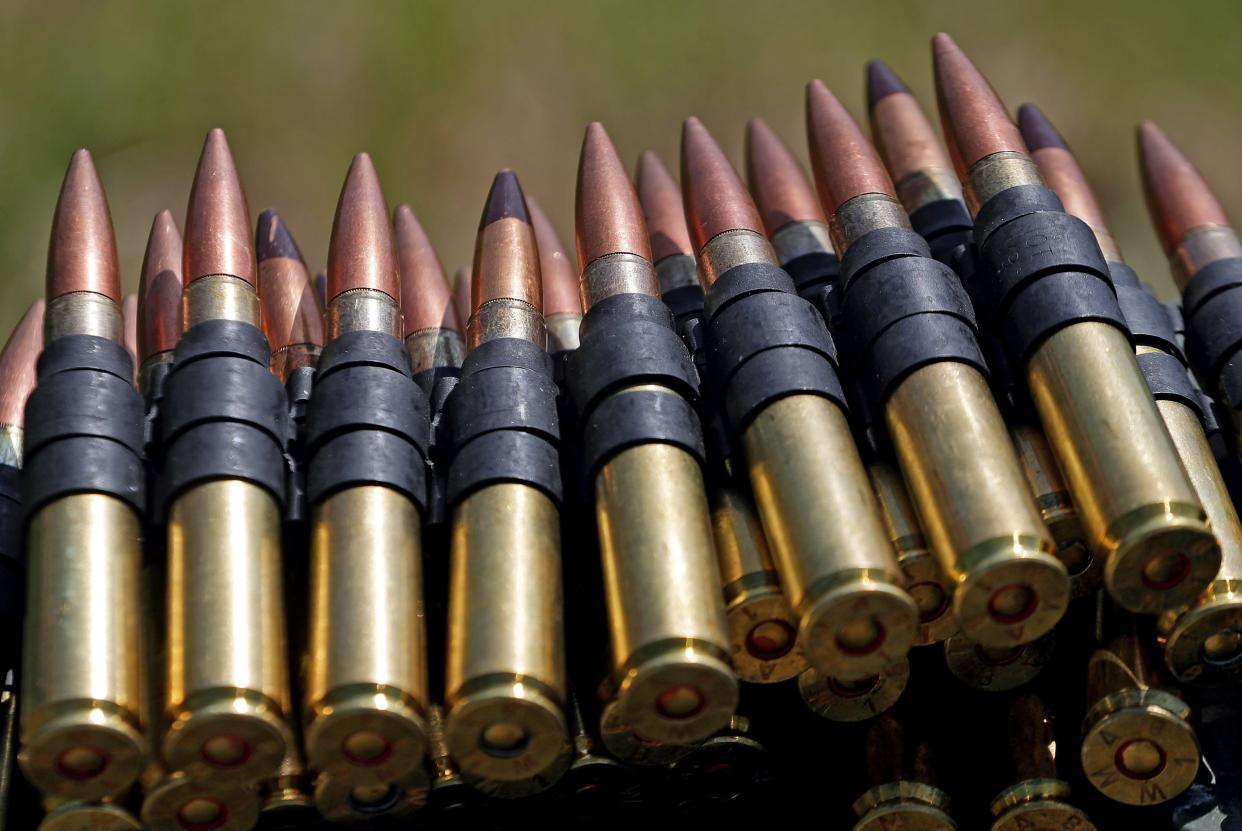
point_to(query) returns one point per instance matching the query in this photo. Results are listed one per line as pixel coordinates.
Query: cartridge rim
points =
(722, 768)
(935, 608)
(366, 736)
(758, 619)
(680, 695)
(997, 669)
(1043, 814)
(1140, 754)
(632, 748)
(86, 752)
(837, 700)
(907, 814)
(522, 788)
(1070, 538)
(179, 803)
(858, 628)
(1204, 645)
(1165, 558)
(532, 723)
(596, 784)
(344, 802)
(86, 816)
(238, 739)
(1015, 595)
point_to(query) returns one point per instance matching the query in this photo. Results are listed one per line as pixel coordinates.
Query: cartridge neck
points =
(219, 297)
(11, 445)
(294, 356)
(1199, 248)
(563, 332)
(506, 317)
(83, 313)
(928, 185)
(617, 274)
(676, 271)
(996, 173)
(150, 366)
(362, 310)
(800, 238)
(435, 349)
(861, 215)
(732, 248)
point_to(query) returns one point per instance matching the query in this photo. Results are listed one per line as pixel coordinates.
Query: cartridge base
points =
(1137, 747)
(1086, 572)
(1204, 643)
(504, 729)
(84, 752)
(359, 804)
(996, 669)
(631, 748)
(932, 593)
(857, 625)
(678, 692)
(89, 816)
(1037, 804)
(366, 735)
(1014, 595)
(763, 636)
(908, 805)
(853, 701)
(181, 804)
(522, 788)
(228, 736)
(1165, 557)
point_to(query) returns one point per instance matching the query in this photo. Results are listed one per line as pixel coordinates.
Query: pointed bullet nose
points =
(82, 253)
(975, 121)
(506, 258)
(504, 200)
(781, 190)
(217, 221)
(1037, 130)
(462, 295)
(560, 278)
(426, 300)
(715, 198)
(17, 365)
(272, 238)
(1179, 199)
(845, 163)
(882, 82)
(1061, 172)
(159, 289)
(361, 254)
(608, 216)
(660, 197)
(290, 310)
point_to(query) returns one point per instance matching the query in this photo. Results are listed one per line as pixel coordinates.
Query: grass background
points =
(444, 94)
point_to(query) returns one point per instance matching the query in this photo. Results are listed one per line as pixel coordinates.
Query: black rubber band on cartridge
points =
(1147, 318)
(84, 425)
(879, 246)
(367, 423)
(684, 302)
(1212, 306)
(1168, 381)
(817, 278)
(12, 552)
(944, 219)
(634, 417)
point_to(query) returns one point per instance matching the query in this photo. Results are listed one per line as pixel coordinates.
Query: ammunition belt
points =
(629, 340)
(12, 554)
(817, 278)
(905, 310)
(1147, 319)
(765, 342)
(947, 227)
(1044, 269)
(500, 422)
(298, 388)
(223, 415)
(367, 422)
(1212, 305)
(84, 425)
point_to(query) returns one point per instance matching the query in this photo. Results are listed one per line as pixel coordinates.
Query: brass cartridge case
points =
(1140, 511)
(631, 748)
(227, 681)
(904, 792)
(1138, 746)
(926, 582)
(671, 678)
(357, 805)
(88, 816)
(180, 803)
(542, 781)
(286, 802)
(859, 700)
(449, 795)
(1203, 642)
(763, 634)
(366, 687)
(997, 668)
(431, 348)
(82, 684)
(980, 519)
(824, 530)
(596, 785)
(505, 678)
(563, 332)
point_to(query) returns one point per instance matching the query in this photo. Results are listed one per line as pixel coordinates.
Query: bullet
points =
(838, 700)
(505, 676)
(1202, 643)
(366, 689)
(81, 719)
(562, 303)
(159, 301)
(89, 816)
(947, 432)
(1136, 502)
(634, 749)
(1138, 747)
(227, 683)
(670, 647)
(176, 802)
(927, 187)
(671, 249)
(129, 315)
(820, 516)
(462, 294)
(292, 321)
(1038, 796)
(997, 668)
(433, 335)
(321, 289)
(903, 772)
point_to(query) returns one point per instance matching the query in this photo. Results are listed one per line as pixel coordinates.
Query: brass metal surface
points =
(359, 310)
(675, 271)
(505, 680)
(796, 239)
(89, 816)
(999, 172)
(997, 668)
(179, 803)
(731, 248)
(613, 274)
(506, 318)
(905, 805)
(1201, 247)
(864, 213)
(830, 547)
(1038, 806)
(11, 445)
(83, 313)
(358, 805)
(82, 677)
(366, 684)
(563, 332)
(219, 297)
(631, 748)
(432, 348)
(838, 700)
(1135, 500)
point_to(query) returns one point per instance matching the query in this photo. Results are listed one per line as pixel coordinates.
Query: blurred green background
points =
(444, 94)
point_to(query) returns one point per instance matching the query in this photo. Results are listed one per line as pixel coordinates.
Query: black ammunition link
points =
(1148, 321)
(1212, 306)
(84, 425)
(298, 388)
(1167, 379)
(904, 310)
(765, 342)
(12, 552)
(429, 379)
(946, 225)
(686, 304)
(368, 422)
(1043, 268)
(817, 279)
(500, 422)
(438, 451)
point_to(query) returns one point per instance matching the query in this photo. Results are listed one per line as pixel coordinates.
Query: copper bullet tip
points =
(882, 82)
(845, 163)
(1059, 168)
(129, 320)
(82, 253)
(660, 197)
(781, 190)
(506, 258)
(462, 295)
(217, 221)
(290, 310)
(1037, 130)
(426, 300)
(321, 288)
(361, 254)
(159, 289)
(975, 121)
(17, 365)
(608, 216)
(504, 200)
(560, 278)
(1178, 197)
(715, 198)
